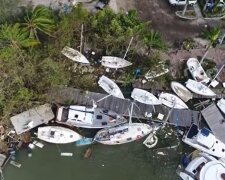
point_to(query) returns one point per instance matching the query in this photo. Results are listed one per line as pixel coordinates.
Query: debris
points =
(66, 154)
(16, 164)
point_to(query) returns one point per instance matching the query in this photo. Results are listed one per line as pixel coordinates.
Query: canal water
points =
(131, 161)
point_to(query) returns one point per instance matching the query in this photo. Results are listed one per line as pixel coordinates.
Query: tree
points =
(39, 20)
(15, 36)
(212, 35)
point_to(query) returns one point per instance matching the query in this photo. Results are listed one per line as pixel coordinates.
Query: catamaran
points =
(110, 87)
(144, 97)
(172, 101)
(57, 135)
(88, 117)
(124, 133)
(181, 91)
(196, 70)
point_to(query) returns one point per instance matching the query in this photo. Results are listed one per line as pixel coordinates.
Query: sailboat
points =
(144, 97)
(172, 101)
(110, 87)
(114, 62)
(124, 133)
(181, 91)
(57, 135)
(88, 117)
(196, 70)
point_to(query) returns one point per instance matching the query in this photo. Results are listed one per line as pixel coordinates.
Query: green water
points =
(131, 161)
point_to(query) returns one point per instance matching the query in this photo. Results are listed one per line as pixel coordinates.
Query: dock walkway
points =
(75, 96)
(215, 121)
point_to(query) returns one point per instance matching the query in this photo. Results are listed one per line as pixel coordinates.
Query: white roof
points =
(34, 117)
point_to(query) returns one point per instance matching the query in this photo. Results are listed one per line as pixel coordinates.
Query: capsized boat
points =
(114, 62)
(74, 55)
(195, 169)
(221, 105)
(57, 135)
(205, 141)
(144, 97)
(172, 101)
(199, 88)
(124, 133)
(151, 74)
(197, 71)
(181, 91)
(110, 87)
(88, 117)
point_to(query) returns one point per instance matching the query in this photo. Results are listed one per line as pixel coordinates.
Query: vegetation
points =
(30, 52)
(215, 8)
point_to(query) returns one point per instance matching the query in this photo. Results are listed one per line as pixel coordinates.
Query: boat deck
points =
(215, 121)
(75, 96)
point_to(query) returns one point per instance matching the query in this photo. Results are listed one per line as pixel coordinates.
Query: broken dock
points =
(70, 96)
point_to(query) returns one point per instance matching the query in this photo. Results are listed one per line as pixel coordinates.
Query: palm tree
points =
(40, 20)
(212, 35)
(15, 36)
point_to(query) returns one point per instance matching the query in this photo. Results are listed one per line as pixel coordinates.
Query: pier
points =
(68, 96)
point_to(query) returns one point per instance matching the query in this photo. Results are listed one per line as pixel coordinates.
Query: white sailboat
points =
(199, 88)
(181, 91)
(172, 101)
(221, 105)
(110, 87)
(114, 62)
(196, 70)
(74, 55)
(205, 141)
(124, 133)
(57, 135)
(144, 97)
(85, 117)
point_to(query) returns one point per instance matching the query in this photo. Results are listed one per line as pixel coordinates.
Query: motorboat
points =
(181, 91)
(221, 105)
(151, 74)
(57, 135)
(172, 101)
(196, 70)
(144, 97)
(205, 141)
(202, 167)
(88, 117)
(110, 87)
(124, 133)
(74, 55)
(114, 62)
(199, 88)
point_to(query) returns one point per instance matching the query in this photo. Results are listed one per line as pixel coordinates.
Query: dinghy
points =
(144, 97)
(74, 55)
(197, 71)
(172, 101)
(181, 91)
(110, 87)
(57, 135)
(88, 117)
(199, 88)
(114, 62)
(205, 141)
(221, 105)
(124, 133)
(151, 74)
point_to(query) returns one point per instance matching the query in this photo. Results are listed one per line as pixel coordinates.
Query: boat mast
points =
(130, 114)
(81, 37)
(128, 48)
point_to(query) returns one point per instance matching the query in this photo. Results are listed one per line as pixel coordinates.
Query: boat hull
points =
(57, 135)
(144, 97)
(172, 101)
(199, 88)
(123, 134)
(114, 62)
(181, 91)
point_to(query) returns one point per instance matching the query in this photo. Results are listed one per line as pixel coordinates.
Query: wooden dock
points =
(215, 121)
(70, 96)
